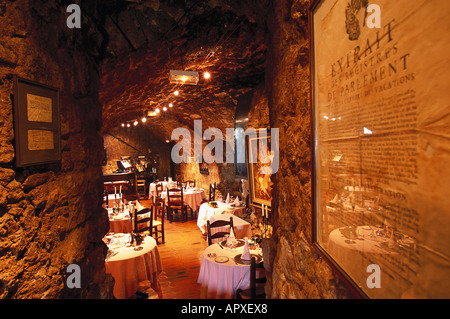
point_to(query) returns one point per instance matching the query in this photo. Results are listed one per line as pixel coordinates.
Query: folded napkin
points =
(139, 206)
(246, 253)
(237, 203)
(228, 198)
(232, 236)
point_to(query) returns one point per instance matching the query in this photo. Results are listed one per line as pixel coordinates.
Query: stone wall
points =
(295, 267)
(135, 141)
(51, 215)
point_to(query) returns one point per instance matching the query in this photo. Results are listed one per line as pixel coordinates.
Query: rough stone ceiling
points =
(149, 38)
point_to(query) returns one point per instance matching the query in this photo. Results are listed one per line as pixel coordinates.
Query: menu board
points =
(382, 144)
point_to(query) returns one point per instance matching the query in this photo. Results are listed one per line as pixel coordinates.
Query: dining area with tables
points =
(212, 226)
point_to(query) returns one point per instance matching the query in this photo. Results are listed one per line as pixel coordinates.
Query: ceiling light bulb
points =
(176, 92)
(123, 124)
(206, 75)
(135, 123)
(128, 125)
(170, 104)
(157, 110)
(164, 108)
(144, 119)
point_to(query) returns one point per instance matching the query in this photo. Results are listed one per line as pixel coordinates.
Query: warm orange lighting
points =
(167, 141)
(206, 75)
(135, 123)
(170, 104)
(128, 125)
(176, 92)
(123, 124)
(164, 108)
(144, 119)
(157, 110)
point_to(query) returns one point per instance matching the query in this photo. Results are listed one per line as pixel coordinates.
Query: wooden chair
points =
(130, 197)
(212, 192)
(179, 179)
(256, 290)
(215, 224)
(148, 225)
(141, 188)
(158, 219)
(159, 189)
(142, 224)
(175, 203)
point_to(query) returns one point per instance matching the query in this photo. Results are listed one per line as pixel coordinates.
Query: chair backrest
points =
(159, 189)
(253, 280)
(147, 221)
(212, 192)
(175, 197)
(158, 206)
(191, 183)
(219, 234)
(130, 197)
(179, 179)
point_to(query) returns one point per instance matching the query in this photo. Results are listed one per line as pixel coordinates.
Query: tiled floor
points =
(180, 257)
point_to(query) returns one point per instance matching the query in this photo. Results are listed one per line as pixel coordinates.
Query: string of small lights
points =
(165, 105)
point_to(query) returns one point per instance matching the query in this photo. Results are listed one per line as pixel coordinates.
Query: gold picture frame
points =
(259, 174)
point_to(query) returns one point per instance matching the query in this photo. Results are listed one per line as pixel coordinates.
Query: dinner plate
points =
(241, 261)
(240, 243)
(234, 205)
(221, 259)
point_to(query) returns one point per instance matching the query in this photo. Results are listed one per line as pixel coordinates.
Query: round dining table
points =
(222, 271)
(206, 211)
(241, 228)
(129, 265)
(119, 222)
(191, 197)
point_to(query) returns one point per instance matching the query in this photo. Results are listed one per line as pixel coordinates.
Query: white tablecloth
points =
(130, 266)
(221, 280)
(205, 213)
(152, 188)
(241, 227)
(191, 198)
(120, 223)
(111, 199)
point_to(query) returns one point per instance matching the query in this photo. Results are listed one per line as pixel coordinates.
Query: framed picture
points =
(203, 168)
(36, 123)
(259, 161)
(380, 159)
(202, 165)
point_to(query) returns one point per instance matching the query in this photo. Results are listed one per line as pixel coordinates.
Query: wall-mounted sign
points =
(381, 145)
(36, 123)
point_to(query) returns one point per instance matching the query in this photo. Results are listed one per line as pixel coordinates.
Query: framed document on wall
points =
(381, 144)
(36, 123)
